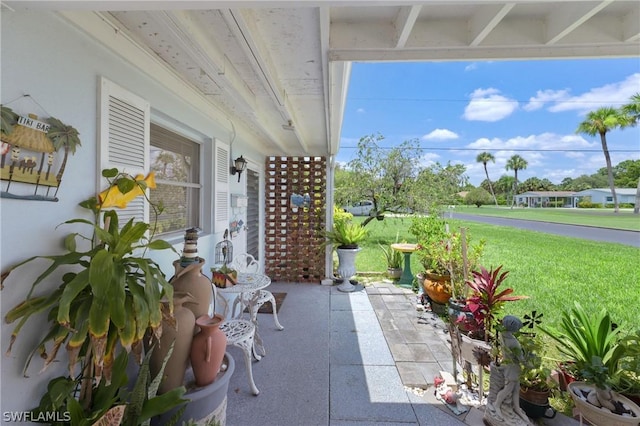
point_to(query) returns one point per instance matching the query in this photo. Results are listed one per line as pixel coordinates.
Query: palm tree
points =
(516, 163)
(63, 136)
(632, 109)
(599, 122)
(484, 158)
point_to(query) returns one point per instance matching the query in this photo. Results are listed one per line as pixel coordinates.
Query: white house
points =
(546, 199)
(213, 81)
(604, 196)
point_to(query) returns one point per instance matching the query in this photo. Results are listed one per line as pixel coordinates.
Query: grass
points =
(605, 218)
(551, 270)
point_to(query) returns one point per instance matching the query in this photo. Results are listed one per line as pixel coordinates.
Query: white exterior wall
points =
(601, 197)
(59, 66)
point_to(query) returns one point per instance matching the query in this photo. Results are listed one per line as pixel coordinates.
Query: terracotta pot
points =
(207, 349)
(189, 279)
(180, 335)
(437, 287)
(598, 416)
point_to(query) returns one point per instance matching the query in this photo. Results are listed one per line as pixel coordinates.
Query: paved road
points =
(629, 238)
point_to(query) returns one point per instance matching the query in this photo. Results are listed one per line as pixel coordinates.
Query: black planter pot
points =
(456, 308)
(536, 411)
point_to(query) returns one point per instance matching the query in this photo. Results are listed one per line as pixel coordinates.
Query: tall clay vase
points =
(189, 279)
(207, 349)
(180, 335)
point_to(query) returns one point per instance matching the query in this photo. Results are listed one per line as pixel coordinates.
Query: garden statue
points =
(503, 403)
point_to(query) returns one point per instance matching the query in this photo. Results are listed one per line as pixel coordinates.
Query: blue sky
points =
(459, 109)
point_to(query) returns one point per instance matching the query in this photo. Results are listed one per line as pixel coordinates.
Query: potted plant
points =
(535, 376)
(595, 349)
(394, 261)
(224, 276)
(478, 321)
(581, 335)
(597, 402)
(448, 259)
(108, 297)
(345, 236)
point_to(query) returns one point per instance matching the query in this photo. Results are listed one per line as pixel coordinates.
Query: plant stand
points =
(406, 280)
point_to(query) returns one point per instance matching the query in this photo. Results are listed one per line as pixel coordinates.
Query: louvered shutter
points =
(124, 141)
(221, 187)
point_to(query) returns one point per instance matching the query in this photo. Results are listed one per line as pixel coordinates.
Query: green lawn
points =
(551, 270)
(605, 218)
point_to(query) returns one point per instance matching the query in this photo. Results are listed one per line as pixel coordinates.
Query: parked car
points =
(361, 208)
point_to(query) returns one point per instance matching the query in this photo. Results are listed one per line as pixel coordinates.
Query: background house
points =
(264, 80)
(546, 199)
(603, 195)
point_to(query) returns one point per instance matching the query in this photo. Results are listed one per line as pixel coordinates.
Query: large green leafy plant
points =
(108, 297)
(583, 335)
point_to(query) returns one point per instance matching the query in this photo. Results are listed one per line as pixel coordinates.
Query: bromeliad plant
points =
(485, 302)
(109, 296)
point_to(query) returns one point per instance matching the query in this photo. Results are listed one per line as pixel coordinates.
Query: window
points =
(610, 199)
(176, 163)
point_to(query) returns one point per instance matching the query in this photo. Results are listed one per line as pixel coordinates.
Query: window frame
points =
(173, 136)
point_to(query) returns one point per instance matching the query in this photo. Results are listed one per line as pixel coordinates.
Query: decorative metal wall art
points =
(31, 163)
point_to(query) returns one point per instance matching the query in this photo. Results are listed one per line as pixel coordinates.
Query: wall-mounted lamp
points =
(239, 164)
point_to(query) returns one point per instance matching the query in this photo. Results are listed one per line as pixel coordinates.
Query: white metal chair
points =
(240, 333)
(245, 262)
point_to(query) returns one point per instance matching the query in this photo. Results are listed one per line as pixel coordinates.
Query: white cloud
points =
(543, 141)
(428, 159)
(472, 66)
(614, 94)
(440, 135)
(360, 111)
(489, 105)
(543, 97)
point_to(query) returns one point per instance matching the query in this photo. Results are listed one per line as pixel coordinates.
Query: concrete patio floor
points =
(348, 359)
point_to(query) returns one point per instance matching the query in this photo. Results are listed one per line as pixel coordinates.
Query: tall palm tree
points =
(516, 163)
(599, 122)
(484, 158)
(632, 109)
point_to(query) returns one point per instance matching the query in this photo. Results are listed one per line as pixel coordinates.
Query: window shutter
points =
(123, 141)
(221, 187)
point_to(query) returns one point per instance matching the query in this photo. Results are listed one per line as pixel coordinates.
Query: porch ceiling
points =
(270, 64)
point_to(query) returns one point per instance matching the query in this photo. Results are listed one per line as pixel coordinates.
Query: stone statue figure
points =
(503, 403)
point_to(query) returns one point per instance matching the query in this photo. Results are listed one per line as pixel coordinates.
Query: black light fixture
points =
(239, 164)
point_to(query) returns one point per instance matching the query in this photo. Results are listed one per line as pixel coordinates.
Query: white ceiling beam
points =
(325, 31)
(249, 40)
(339, 76)
(484, 22)
(565, 19)
(404, 23)
(631, 26)
(208, 56)
(449, 53)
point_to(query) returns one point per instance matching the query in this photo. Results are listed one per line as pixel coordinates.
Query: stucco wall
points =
(59, 66)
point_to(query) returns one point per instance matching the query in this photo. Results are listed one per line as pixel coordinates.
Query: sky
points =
(458, 109)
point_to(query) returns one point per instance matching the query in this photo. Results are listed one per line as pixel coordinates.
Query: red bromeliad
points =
(486, 300)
